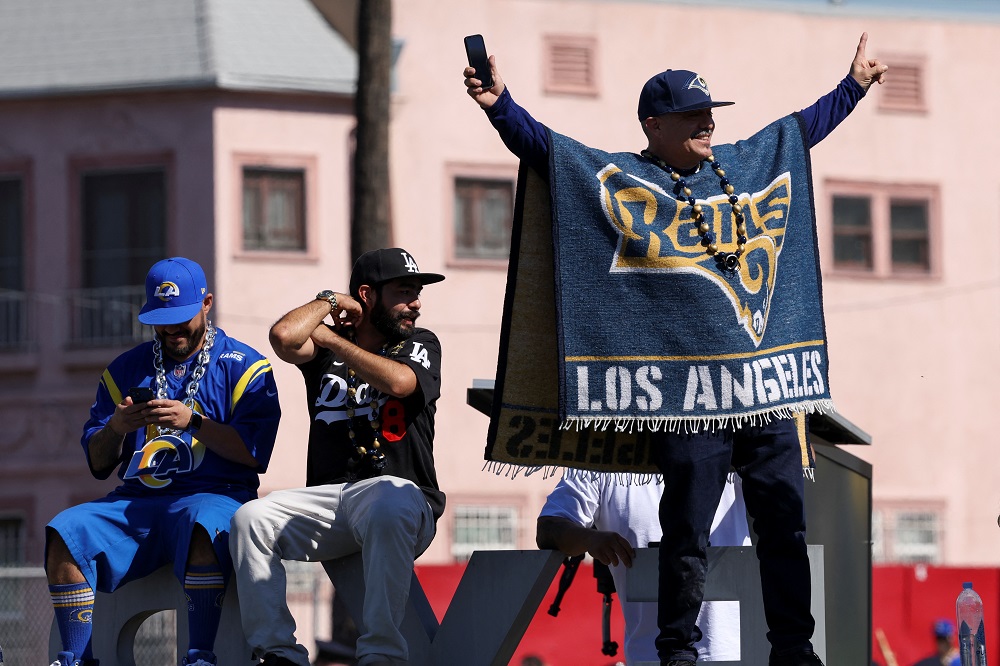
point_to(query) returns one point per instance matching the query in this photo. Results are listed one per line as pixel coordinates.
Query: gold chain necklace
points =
(727, 261)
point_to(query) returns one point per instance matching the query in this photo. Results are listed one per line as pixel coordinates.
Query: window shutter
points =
(904, 88)
(571, 65)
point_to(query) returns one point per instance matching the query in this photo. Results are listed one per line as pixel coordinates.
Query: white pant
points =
(386, 518)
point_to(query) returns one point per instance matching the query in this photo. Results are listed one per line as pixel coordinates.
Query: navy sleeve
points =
(822, 117)
(528, 139)
(523, 135)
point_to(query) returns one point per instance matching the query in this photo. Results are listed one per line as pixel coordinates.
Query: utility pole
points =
(371, 226)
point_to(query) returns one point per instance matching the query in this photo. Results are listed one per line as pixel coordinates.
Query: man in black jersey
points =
(372, 381)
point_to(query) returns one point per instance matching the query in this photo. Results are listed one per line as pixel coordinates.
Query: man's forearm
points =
(521, 133)
(831, 109)
(390, 377)
(554, 533)
(105, 449)
(294, 329)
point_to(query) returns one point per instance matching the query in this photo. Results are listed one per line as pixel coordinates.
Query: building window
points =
(274, 209)
(481, 527)
(910, 231)
(906, 535)
(13, 299)
(884, 231)
(571, 65)
(124, 233)
(904, 87)
(852, 232)
(483, 212)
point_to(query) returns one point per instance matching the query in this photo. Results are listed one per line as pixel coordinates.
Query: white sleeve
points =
(576, 497)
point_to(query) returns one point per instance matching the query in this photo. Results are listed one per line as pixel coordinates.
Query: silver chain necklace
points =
(196, 374)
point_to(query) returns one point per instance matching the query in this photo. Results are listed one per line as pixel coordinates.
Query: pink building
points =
(221, 130)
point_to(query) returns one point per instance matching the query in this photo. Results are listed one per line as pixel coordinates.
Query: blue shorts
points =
(118, 539)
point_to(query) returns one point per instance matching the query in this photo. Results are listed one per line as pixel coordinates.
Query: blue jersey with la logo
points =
(237, 389)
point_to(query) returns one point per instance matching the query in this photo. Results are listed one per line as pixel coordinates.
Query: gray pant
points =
(386, 518)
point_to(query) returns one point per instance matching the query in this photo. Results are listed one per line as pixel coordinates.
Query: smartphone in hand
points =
(141, 394)
(475, 49)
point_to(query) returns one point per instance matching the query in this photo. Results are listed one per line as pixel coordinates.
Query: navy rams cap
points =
(675, 90)
(378, 266)
(175, 289)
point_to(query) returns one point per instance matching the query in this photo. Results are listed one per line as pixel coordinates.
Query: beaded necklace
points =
(727, 261)
(374, 457)
(196, 374)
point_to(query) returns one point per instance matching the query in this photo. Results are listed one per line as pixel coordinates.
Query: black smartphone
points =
(141, 394)
(475, 48)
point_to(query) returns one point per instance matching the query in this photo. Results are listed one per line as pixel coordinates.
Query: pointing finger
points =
(861, 47)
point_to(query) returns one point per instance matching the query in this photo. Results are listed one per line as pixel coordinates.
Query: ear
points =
(368, 295)
(206, 304)
(651, 124)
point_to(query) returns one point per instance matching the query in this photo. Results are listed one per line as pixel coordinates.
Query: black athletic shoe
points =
(681, 662)
(796, 659)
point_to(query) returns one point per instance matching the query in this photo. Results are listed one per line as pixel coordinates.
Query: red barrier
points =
(572, 638)
(906, 600)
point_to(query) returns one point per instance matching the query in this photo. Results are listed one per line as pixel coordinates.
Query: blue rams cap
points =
(175, 289)
(944, 629)
(675, 90)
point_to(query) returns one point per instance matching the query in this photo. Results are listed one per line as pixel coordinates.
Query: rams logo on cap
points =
(699, 83)
(166, 291)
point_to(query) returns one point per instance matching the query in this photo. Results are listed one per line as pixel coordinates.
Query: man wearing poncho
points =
(713, 344)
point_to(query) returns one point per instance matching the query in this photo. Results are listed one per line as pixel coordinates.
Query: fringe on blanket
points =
(512, 471)
(691, 425)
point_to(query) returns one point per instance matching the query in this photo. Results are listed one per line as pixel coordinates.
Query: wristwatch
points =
(330, 297)
(194, 425)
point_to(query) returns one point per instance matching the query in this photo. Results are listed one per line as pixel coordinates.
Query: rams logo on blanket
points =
(656, 234)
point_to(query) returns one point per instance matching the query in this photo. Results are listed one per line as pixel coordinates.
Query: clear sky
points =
(937, 9)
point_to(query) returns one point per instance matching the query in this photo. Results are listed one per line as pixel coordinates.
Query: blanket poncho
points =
(617, 323)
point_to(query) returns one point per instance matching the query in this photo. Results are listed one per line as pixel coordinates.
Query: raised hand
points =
(865, 70)
(485, 98)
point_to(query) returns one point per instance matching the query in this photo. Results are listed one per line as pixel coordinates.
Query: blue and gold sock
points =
(74, 605)
(205, 590)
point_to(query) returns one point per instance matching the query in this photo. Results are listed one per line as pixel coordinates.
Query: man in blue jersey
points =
(189, 422)
(675, 112)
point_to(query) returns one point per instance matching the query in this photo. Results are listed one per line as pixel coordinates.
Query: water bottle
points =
(971, 633)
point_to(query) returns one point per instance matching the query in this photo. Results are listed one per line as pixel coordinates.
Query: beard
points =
(183, 348)
(393, 327)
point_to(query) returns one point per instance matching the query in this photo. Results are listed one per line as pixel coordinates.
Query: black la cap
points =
(378, 266)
